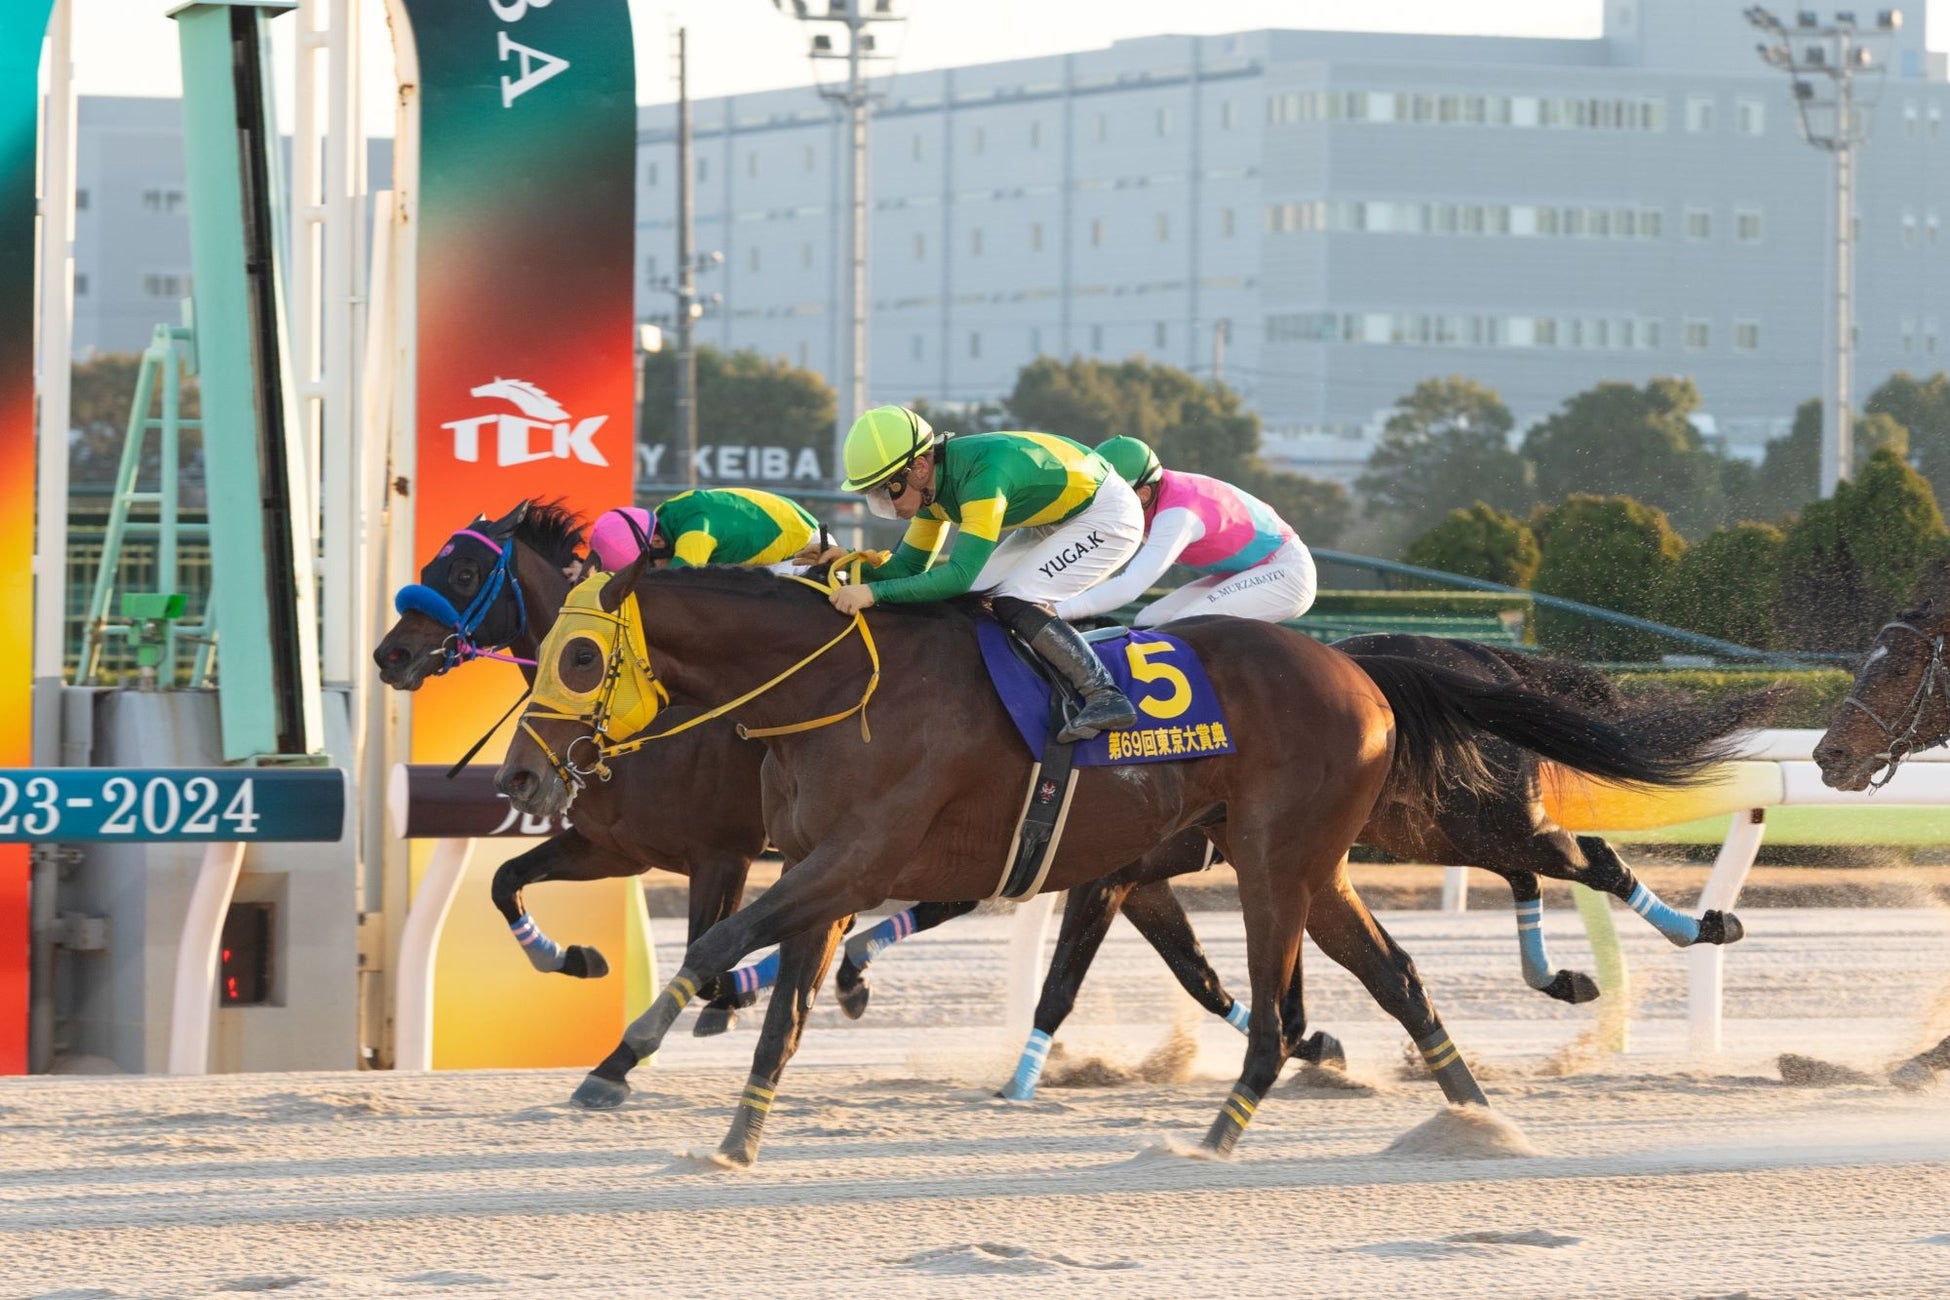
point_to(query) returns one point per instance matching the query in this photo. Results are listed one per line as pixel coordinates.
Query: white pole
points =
(420, 948)
(195, 1001)
(341, 218)
(1706, 961)
(307, 218)
(1455, 889)
(1026, 936)
(56, 353)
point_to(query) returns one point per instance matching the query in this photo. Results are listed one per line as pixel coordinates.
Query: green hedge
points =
(1815, 692)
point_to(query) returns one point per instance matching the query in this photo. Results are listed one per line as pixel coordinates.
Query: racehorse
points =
(926, 811)
(1899, 704)
(695, 812)
(1505, 830)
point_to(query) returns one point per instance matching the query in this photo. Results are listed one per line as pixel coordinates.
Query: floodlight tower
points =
(856, 16)
(1835, 118)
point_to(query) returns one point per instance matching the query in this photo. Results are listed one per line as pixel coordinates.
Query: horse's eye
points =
(585, 656)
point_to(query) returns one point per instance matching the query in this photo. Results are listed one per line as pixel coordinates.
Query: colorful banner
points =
(526, 227)
(22, 25)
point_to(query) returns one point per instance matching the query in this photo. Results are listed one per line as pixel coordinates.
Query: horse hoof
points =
(714, 1020)
(1913, 1076)
(1573, 986)
(1322, 1048)
(582, 962)
(850, 986)
(1716, 926)
(598, 1093)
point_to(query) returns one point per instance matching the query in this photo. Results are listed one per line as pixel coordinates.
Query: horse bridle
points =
(1900, 734)
(460, 645)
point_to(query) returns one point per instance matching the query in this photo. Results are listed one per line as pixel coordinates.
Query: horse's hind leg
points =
(1346, 931)
(567, 856)
(1608, 873)
(1572, 986)
(803, 960)
(850, 983)
(1087, 915)
(717, 886)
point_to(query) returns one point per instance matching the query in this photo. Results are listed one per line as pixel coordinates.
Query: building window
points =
(810, 153)
(751, 164)
(1699, 114)
(1164, 227)
(1103, 128)
(1225, 115)
(1746, 335)
(1909, 229)
(1225, 223)
(1096, 232)
(1164, 121)
(975, 345)
(1035, 236)
(650, 175)
(1936, 120)
(915, 152)
(1929, 335)
(1159, 334)
(975, 242)
(1746, 227)
(1696, 335)
(650, 272)
(1035, 341)
(1699, 223)
(81, 284)
(979, 140)
(703, 170)
(805, 256)
(81, 200)
(162, 202)
(1750, 117)
(1096, 338)
(751, 259)
(1036, 134)
(920, 247)
(915, 347)
(164, 285)
(1909, 335)
(1910, 117)
(1929, 228)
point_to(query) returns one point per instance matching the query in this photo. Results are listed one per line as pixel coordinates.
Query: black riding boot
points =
(1063, 648)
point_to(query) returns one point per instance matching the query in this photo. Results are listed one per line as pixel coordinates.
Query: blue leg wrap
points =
(1537, 971)
(1239, 1015)
(1676, 926)
(1029, 1070)
(762, 974)
(863, 948)
(544, 954)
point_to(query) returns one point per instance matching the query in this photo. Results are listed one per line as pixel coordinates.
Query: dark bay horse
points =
(693, 810)
(925, 809)
(1898, 705)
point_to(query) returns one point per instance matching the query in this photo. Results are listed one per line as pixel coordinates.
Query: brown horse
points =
(694, 809)
(1899, 704)
(926, 809)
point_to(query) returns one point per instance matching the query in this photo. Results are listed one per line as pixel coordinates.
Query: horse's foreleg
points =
(1086, 919)
(1608, 873)
(567, 856)
(717, 886)
(803, 960)
(831, 884)
(1347, 932)
(850, 983)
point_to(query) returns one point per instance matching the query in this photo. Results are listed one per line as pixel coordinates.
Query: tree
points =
(1634, 441)
(1612, 552)
(744, 399)
(1319, 511)
(1852, 561)
(1192, 425)
(1446, 444)
(1921, 406)
(100, 395)
(1480, 542)
(1789, 475)
(1728, 586)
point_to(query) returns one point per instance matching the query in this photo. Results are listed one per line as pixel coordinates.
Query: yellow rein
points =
(605, 750)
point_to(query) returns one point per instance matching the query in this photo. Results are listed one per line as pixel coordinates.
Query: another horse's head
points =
(467, 601)
(594, 689)
(1900, 702)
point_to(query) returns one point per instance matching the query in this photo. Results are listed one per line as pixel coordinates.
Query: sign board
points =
(425, 805)
(180, 805)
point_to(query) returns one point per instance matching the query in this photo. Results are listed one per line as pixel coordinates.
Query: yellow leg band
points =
(1443, 1053)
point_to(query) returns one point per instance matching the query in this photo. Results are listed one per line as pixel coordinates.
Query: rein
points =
(629, 637)
(460, 646)
(1903, 743)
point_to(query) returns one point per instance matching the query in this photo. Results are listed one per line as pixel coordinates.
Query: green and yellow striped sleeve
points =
(980, 527)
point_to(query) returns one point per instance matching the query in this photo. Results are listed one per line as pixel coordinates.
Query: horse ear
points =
(506, 524)
(622, 583)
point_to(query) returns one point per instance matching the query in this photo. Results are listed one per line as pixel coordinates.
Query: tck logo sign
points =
(537, 429)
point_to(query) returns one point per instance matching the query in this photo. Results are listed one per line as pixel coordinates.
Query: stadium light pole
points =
(1834, 119)
(856, 16)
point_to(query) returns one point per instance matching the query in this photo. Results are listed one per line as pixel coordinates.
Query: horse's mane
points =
(552, 530)
(747, 580)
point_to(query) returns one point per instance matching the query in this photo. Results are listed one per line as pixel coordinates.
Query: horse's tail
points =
(1438, 713)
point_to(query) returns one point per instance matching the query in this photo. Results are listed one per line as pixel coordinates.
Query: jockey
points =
(1255, 566)
(710, 526)
(1071, 521)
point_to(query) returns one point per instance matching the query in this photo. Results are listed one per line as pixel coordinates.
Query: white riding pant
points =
(1278, 588)
(1045, 565)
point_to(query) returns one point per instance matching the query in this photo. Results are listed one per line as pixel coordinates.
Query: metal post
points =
(56, 342)
(1838, 442)
(686, 276)
(855, 404)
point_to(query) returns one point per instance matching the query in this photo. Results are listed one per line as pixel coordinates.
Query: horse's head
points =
(594, 689)
(1898, 704)
(467, 601)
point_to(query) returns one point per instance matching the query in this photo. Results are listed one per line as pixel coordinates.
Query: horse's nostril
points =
(520, 781)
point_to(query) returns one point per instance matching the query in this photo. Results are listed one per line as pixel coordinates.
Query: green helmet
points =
(1134, 462)
(881, 443)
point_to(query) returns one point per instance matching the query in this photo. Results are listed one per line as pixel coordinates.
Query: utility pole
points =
(1835, 121)
(686, 276)
(853, 95)
(1221, 335)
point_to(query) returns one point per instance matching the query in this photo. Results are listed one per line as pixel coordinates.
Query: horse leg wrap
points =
(646, 1032)
(1239, 1015)
(1445, 1062)
(740, 1145)
(544, 954)
(1234, 1115)
(1683, 930)
(862, 948)
(1530, 944)
(1029, 1070)
(748, 981)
